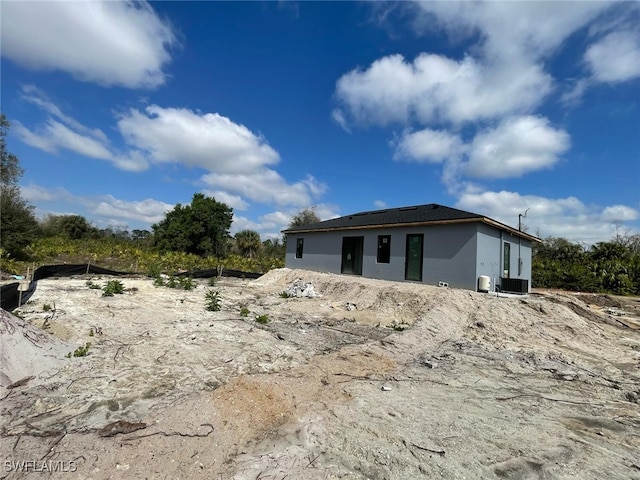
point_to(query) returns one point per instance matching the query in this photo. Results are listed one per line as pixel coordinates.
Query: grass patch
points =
(263, 319)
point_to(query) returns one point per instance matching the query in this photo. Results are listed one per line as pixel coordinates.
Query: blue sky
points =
(120, 110)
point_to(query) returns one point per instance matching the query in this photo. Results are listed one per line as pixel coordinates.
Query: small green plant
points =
(46, 307)
(93, 286)
(212, 299)
(244, 311)
(285, 294)
(213, 281)
(186, 283)
(172, 282)
(158, 281)
(399, 327)
(82, 351)
(263, 319)
(91, 332)
(112, 287)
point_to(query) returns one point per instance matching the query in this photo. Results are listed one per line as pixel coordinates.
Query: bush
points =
(112, 287)
(80, 351)
(212, 301)
(244, 312)
(263, 319)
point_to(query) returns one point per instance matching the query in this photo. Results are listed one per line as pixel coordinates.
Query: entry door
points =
(352, 248)
(413, 259)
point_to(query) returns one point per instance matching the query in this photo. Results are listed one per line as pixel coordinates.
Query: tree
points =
(201, 228)
(18, 224)
(248, 243)
(73, 227)
(306, 216)
(10, 170)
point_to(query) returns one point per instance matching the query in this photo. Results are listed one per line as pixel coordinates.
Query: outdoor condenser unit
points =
(514, 285)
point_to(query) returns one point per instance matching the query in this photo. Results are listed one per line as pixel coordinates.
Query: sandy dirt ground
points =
(368, 380)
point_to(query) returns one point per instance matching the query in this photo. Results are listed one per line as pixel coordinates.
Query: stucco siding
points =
(448, 253)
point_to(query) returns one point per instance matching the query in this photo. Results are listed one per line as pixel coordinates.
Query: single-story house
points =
(431, 244)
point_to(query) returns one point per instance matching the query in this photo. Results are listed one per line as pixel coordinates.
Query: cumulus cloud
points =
(234, 201)
(209, 141)
(556, 217)
(267, 186)
(503, 75)
(615, 58)
(517, 146)
(435, 89)
(106, 42)
(432, 146)
(147, 211)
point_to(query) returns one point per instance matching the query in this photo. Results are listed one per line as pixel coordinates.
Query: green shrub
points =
(158, 281)
(285, 294)
(213, 281)
(46, 307)
(186, 283)
(244, 312)
(112, 287)
(263, 319)
(93, 286)
(212, 301)
(80, 351)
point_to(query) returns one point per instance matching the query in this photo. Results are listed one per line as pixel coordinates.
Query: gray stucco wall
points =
(457, 254)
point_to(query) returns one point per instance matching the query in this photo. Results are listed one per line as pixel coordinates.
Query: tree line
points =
(606, 267)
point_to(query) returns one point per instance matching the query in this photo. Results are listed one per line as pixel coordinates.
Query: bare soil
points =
(370, 380)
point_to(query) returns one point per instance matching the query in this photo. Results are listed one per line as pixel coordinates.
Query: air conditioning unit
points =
(514, 285)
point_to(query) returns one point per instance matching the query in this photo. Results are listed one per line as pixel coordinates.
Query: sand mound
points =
(27, 351)
(372, 379)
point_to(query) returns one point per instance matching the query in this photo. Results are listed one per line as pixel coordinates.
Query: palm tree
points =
(248, 243)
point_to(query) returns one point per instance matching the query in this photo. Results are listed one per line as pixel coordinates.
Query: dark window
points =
(506, 267)
(384, 248)
(299, 247)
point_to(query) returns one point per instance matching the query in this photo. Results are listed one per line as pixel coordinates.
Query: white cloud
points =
(234, 201)
(107, 42)
(54, 136)
(615, 58)
(432, 146)
(146, 211)
(209, 141)
(37, 193)
(380, 204)
(101, 209)
(267, 186)
(435, 89)
(517, 146)
(34, 95)
(620, 213)
(567, 217)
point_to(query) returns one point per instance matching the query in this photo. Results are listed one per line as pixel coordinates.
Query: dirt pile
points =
(371, 379)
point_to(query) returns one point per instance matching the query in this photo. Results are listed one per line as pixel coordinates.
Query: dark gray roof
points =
(416, 215)
(431, 212)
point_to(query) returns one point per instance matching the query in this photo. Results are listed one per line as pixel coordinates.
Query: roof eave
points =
(485, 220)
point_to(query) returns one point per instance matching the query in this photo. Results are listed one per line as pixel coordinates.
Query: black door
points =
(352, 248)
(413, 257)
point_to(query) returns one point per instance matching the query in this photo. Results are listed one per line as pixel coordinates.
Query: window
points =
(506, 264)
(384, 248)
(299, 247)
